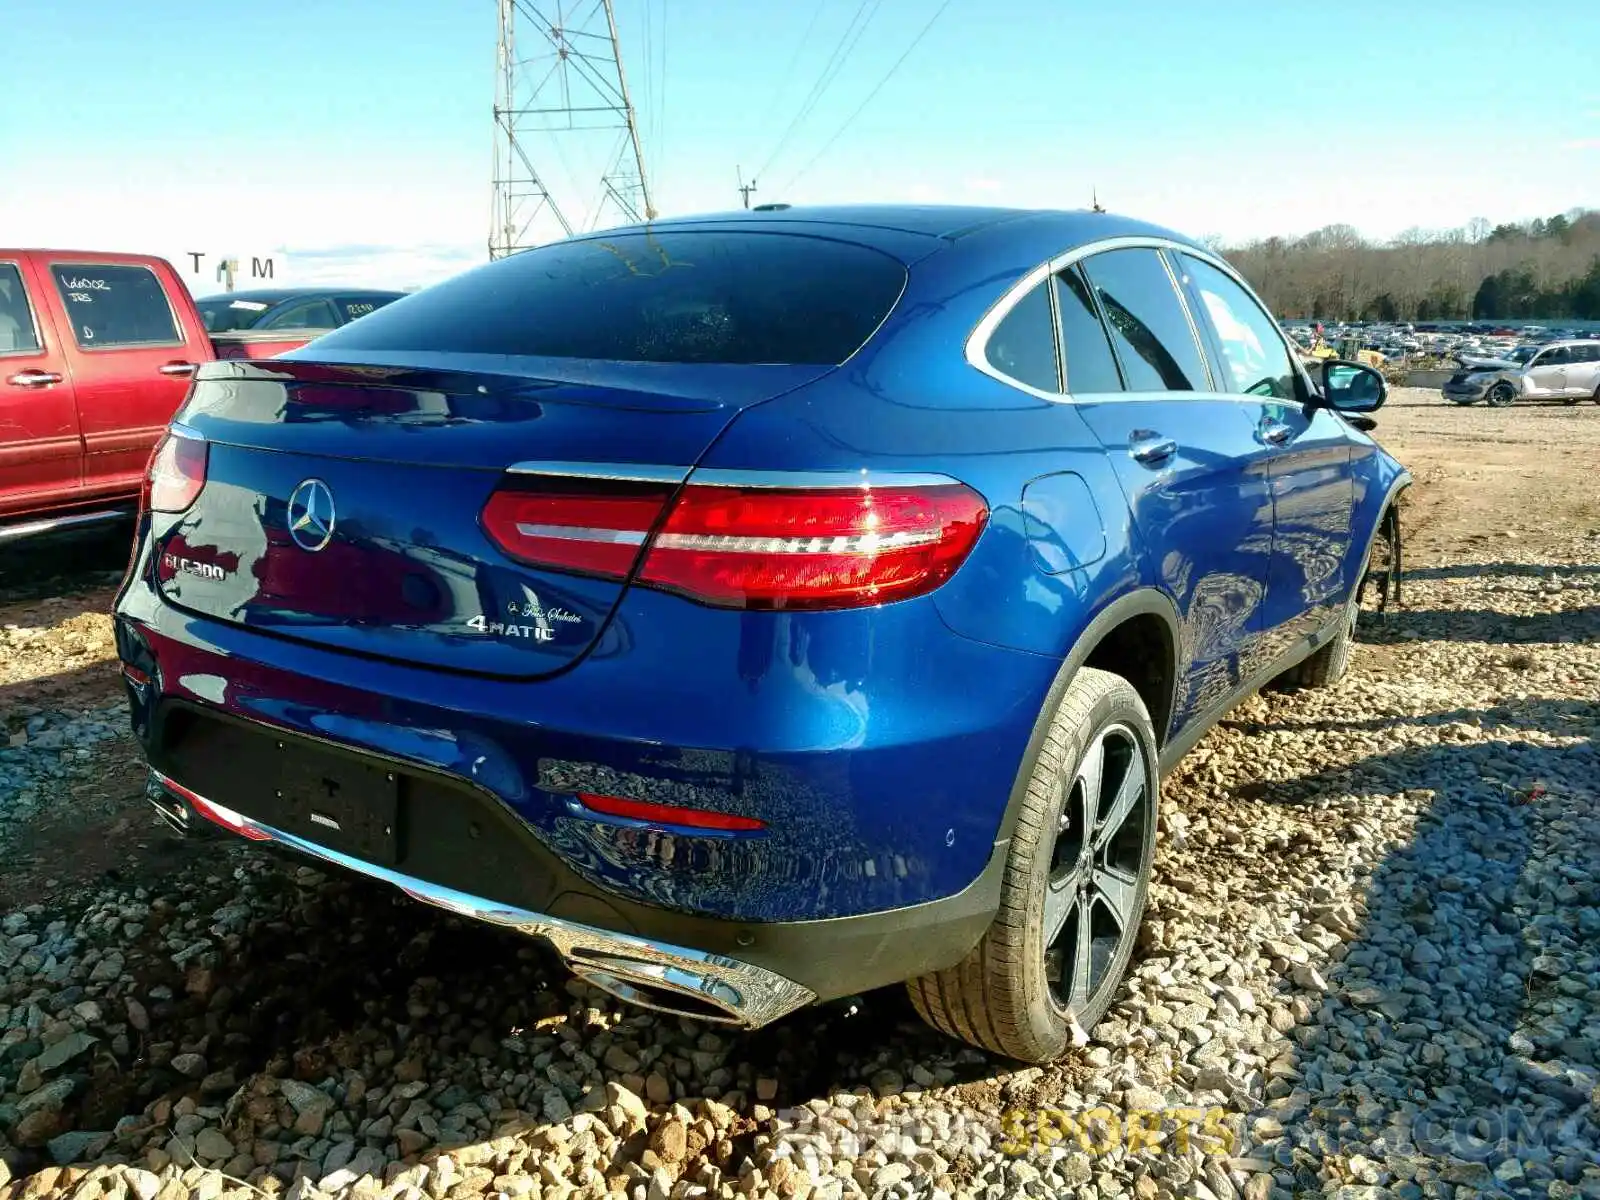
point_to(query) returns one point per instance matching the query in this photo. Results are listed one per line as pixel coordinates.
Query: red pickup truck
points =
(96, 351)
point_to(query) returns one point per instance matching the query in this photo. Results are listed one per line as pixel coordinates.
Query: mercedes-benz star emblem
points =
(311, 515)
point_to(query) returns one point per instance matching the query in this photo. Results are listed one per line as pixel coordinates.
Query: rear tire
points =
(1501, 395)
(1328, 663)
(1080, 860)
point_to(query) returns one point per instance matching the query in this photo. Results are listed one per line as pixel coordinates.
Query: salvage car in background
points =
(760, 608)
(96, 351)
(1568, 371)
(270, 310)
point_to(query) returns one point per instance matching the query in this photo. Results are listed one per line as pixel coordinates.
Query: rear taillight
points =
(741, 546)
(176, 474)
(592, 526)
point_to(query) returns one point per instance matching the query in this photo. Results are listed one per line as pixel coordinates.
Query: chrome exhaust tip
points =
(174, 813)
(664, 988)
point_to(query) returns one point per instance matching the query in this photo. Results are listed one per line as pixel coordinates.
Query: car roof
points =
(1043, 232)
(935, 220)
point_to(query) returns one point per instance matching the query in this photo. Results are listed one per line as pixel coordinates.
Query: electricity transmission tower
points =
(562, 90)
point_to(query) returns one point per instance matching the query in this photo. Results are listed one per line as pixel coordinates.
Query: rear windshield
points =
(674, 297)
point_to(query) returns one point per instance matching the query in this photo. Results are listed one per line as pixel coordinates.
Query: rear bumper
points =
(640, 970)
(722, 971)
(885, 841)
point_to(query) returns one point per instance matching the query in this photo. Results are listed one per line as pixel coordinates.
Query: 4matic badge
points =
(530, 620)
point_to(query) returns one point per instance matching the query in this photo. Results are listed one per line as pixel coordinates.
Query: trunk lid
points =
(341, 503)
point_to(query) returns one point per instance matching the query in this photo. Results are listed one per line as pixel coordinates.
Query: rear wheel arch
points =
(1393, 492)
(1134, 636)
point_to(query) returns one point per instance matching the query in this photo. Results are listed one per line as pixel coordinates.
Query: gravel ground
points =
(1371, 965)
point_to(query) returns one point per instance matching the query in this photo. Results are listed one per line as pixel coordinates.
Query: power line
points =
(661, 92)
(830, 70)
(788, 73)
(650, 71)
(862, 107)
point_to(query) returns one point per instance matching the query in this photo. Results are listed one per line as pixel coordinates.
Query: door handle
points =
(1275, 432)
(34, 379)
(176, 368)
(1152, 448)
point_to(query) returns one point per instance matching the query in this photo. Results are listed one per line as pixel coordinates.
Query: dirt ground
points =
(1522, 479)
(1525, 474)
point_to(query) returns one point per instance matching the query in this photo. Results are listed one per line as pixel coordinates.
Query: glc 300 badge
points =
(178, 565)
(537, 624)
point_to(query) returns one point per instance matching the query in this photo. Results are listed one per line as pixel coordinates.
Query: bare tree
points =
(1424, 274)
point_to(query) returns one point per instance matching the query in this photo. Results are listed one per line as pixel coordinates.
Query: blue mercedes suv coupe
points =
(759, 608)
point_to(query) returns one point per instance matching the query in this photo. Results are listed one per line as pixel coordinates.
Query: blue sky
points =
(356, 134)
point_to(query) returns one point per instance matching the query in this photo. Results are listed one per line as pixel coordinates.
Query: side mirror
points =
(1353, 387)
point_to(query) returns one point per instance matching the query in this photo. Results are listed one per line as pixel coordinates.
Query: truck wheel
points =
(1075, 884)
(1501, 394)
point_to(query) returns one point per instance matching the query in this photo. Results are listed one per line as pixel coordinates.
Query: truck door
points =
(132, 358)
(41, 452)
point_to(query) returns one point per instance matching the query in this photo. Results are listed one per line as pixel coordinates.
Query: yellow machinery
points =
(1349, 350)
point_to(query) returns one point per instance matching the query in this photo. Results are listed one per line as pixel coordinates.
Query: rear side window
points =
(1023, 345)
(1085, 345)
(115, 306)
(672, 297)
(1255, 360)
(307, 314)
(351, 307)
(1149, 327)
(17, 332)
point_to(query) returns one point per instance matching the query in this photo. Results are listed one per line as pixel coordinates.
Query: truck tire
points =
(1083, 846)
